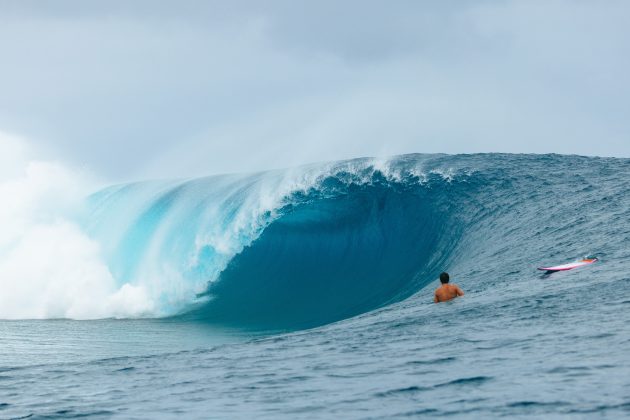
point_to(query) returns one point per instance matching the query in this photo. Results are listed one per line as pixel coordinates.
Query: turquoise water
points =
(308, 294)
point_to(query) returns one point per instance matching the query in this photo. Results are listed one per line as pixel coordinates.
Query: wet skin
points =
(447, 292)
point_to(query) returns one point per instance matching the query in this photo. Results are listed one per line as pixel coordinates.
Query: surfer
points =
(447, 291)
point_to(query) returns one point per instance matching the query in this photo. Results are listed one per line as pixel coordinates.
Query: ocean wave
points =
(298, 247)
(227, 241)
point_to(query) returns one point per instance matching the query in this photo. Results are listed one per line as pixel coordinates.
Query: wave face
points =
(333, 252)
(312, 245)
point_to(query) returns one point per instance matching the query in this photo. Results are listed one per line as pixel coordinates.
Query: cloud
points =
(147, 89)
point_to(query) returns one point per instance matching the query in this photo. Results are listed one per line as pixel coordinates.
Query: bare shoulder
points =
(459, 290)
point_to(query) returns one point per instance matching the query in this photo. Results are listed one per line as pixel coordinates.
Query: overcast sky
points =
(137, 89)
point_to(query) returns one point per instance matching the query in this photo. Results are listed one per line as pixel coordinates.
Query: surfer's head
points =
(444, 278)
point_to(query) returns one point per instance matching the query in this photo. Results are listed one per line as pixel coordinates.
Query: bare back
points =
(447, 292)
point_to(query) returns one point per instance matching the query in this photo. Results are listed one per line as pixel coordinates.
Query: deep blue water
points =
(307, 293)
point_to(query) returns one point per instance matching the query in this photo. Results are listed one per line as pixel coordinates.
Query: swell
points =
(309, 245)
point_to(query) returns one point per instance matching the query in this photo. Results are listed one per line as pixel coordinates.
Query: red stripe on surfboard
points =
(577, 265)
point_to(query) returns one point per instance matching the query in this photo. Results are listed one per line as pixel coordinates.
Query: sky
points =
(135, 89)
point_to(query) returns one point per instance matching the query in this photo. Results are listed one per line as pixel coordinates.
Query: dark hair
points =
(444, 277)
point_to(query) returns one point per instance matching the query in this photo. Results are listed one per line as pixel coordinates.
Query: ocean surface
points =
(308, 293)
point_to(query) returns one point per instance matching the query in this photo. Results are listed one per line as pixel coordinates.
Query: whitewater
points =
(307, 292)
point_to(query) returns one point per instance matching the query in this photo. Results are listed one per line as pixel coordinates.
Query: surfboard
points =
(570, 266)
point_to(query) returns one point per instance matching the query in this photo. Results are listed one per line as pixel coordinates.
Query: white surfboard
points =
(569, 266)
